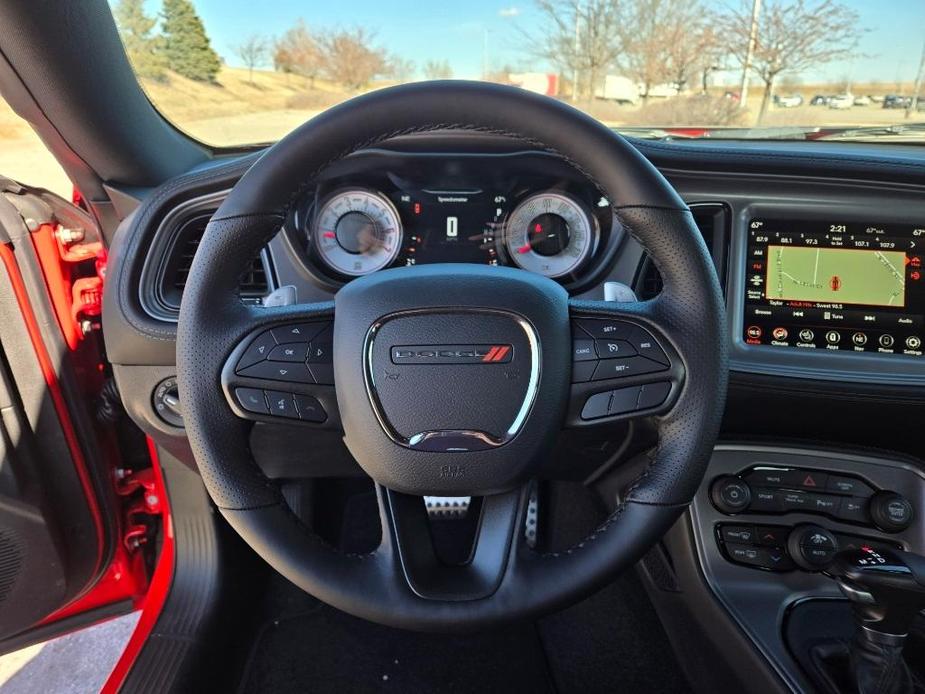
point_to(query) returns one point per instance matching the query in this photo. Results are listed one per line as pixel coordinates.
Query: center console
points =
(767, 520)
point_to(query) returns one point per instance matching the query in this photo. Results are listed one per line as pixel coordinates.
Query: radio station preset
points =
(835, 285)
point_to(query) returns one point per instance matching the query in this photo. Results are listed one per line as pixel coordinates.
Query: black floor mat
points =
(325, 650)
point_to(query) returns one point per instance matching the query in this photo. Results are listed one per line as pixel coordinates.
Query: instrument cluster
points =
(547, 223)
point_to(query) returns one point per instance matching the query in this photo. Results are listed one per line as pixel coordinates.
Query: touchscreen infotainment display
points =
(842, 286)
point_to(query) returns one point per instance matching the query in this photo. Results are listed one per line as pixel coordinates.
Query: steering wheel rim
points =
(512, 582)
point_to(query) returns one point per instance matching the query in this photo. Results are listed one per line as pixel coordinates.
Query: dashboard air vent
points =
(254, 283)
(712, 220)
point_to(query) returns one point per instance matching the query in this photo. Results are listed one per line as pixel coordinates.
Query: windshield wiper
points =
(871, 131)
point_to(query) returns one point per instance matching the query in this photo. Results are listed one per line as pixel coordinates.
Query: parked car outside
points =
(841, 101)
(791, 101)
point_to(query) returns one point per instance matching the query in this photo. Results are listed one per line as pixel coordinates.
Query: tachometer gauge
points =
(551, 234)
(357, 232)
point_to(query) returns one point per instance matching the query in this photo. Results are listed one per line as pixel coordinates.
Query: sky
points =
(467, 33)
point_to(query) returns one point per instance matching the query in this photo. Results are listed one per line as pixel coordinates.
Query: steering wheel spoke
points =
(282, 369)
(622, 364)
(489, 542)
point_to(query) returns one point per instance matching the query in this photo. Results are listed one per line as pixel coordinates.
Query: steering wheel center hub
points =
(452, 380)
(454, 394)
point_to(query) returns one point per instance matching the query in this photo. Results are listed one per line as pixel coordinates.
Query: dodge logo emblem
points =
(452, 354)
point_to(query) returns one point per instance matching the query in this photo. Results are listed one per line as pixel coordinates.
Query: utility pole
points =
(920, 76)
(750, 54)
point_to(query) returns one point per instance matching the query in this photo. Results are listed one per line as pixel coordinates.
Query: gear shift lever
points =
(886, 589)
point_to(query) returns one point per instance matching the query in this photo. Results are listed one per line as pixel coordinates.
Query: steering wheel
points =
(452, 379)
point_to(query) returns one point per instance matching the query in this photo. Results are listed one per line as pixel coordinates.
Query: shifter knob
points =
(886, 587)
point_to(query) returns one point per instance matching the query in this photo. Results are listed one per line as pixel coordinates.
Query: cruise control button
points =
(606, 329)
(583, 350)
(613, 349)
(294, 351)
(298, 332)
(279, 371)
(596, 406)
(257, 351)
(310, 409)
(282, 404)
(646, 345)
(252, 400)
(653, 395)
(582, 371)
(620, 368)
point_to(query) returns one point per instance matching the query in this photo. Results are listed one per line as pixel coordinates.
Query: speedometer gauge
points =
(550, 233)
(357, 232)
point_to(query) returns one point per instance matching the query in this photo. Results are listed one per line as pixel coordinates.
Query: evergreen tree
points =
(142, 49)
(186, 45)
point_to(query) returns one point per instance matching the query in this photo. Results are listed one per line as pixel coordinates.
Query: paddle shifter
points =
(886, 589)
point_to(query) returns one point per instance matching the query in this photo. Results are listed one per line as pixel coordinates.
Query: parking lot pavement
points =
(77, 663)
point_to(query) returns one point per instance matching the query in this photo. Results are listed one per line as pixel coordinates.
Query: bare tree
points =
(298, 52)
(692, 46)
(649, 28)
(793, 36)
(437, 70)
(580, 37)
(402, 69)
(352, 58)
(253, 52)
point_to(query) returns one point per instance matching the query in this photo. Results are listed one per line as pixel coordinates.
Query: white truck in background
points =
(617, 88)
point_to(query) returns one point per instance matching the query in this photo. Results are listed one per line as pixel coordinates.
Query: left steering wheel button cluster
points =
(296, 353)
(607, 349)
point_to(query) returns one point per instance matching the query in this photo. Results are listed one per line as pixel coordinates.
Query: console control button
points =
(852, 509)
(291, 352)
(772, 535)
(772, 558)
(583, 350)
(282, 404)
(772, 477)
(731, 495)
(257, 351)
(310, 409)
(252, 400)
(812, 546)
(848, 485)
(767, 500)
(743, 534)
(891, 512)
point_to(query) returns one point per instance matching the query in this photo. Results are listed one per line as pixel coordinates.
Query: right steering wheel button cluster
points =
(605, 349)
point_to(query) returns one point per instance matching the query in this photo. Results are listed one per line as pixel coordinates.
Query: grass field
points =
(242, 110)
(836, 275)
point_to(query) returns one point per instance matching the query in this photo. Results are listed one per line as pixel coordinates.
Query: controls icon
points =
(807, 335)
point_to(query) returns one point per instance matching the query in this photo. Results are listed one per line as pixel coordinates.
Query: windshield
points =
(232, 74)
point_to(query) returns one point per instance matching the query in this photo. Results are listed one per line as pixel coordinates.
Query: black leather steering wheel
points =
(460, 424)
